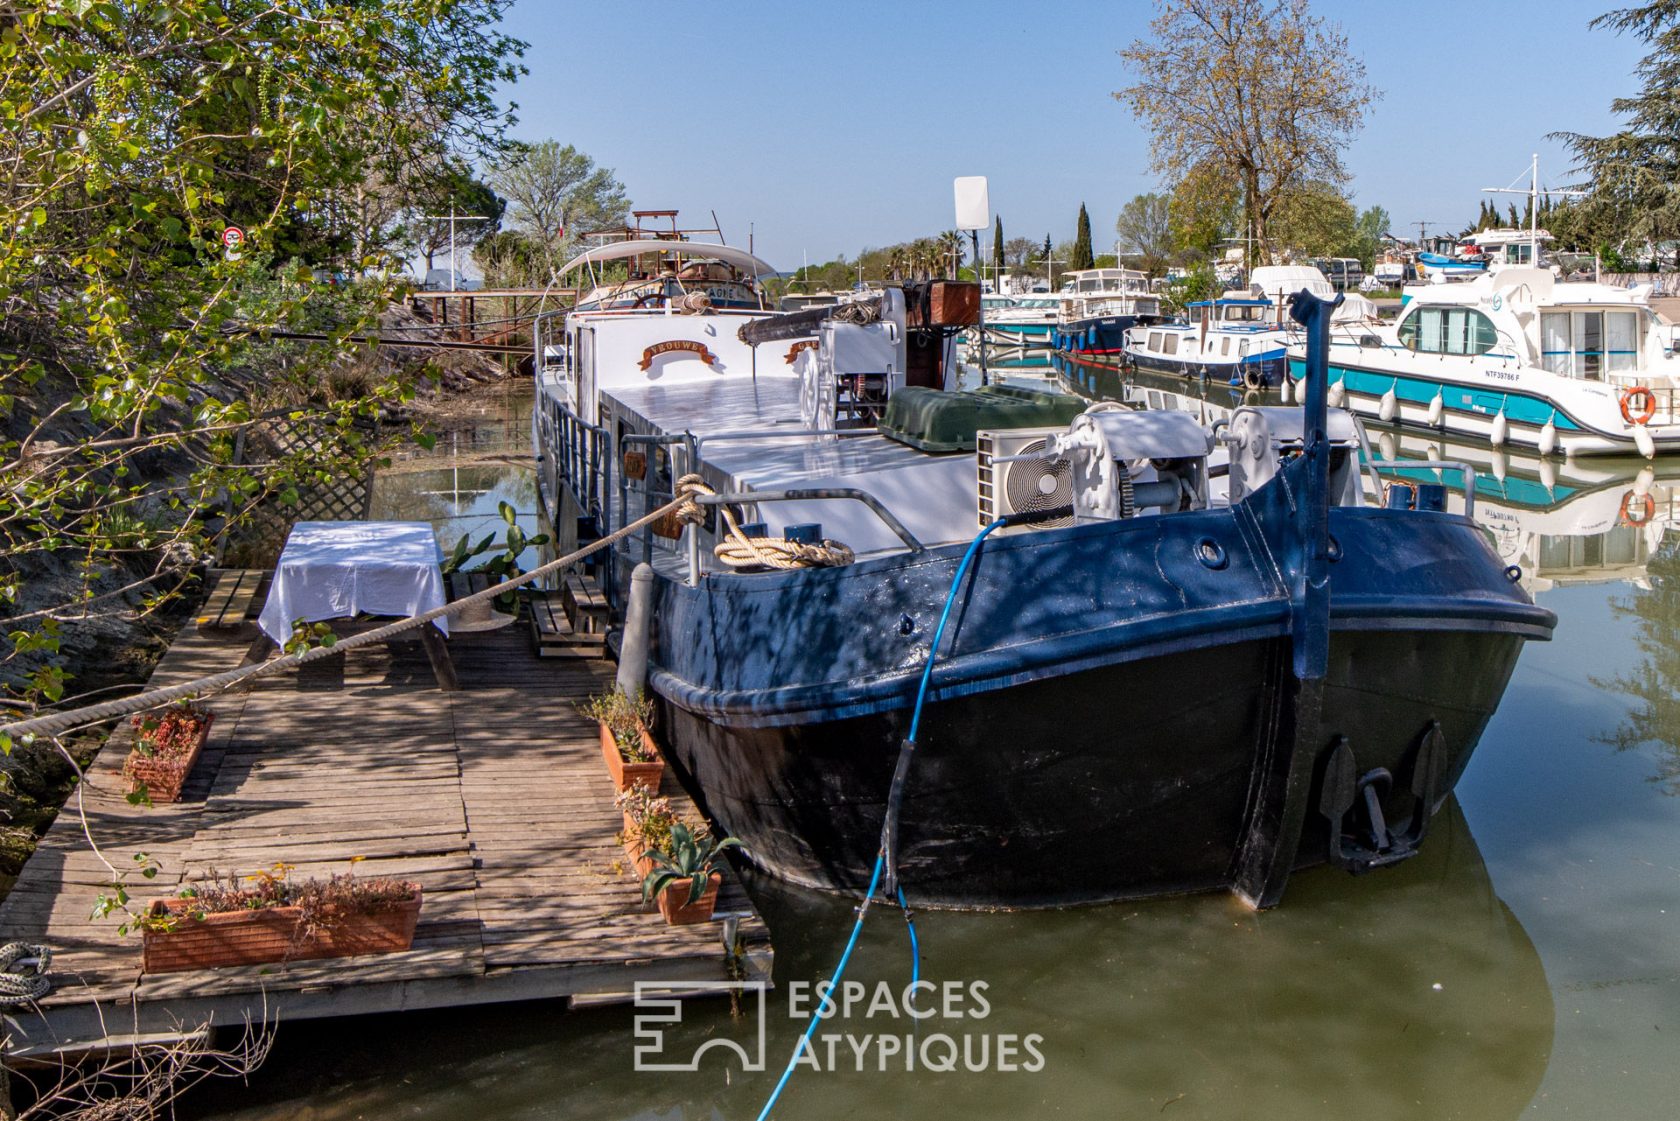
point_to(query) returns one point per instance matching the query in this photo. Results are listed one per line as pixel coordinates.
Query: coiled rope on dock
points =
(23, 972)
(56, 723)
(739, 550)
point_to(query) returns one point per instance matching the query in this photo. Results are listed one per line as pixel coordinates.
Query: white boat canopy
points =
(689, 250)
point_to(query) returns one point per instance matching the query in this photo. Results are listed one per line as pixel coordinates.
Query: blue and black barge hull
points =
(1112, 711)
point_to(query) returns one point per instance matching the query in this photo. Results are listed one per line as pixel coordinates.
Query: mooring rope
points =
(23, 972)
(53, 724)
(741, 551)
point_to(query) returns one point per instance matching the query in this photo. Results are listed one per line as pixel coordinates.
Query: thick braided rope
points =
(741, 551)
(22, 984)
(57, 722)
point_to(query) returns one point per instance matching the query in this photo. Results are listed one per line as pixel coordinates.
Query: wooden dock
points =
(493, 797)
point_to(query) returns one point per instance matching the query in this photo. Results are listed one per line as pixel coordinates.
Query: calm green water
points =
(1526, 965)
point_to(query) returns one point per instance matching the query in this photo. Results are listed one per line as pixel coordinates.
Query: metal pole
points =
(975, 234)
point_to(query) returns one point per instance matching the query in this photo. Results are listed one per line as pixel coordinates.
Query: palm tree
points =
(950, 252)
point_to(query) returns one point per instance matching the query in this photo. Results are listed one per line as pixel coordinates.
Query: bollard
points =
(638, 620)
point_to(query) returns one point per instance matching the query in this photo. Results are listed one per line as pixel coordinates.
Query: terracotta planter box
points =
(164, 777)
(626, 774)
(678, 912)
(271, 934)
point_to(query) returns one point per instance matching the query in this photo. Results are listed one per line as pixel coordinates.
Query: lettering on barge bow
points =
(675, 345)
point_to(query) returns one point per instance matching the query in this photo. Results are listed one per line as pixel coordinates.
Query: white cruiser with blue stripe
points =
(1516, 358)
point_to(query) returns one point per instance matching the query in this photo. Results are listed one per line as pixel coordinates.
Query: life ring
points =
(1641, 401)
(1254, 379)
(1647, 509)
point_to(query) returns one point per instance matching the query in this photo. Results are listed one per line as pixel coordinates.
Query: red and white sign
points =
(232, 238)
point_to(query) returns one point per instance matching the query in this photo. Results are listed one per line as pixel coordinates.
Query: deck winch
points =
(1262, 438)
(1125, 461)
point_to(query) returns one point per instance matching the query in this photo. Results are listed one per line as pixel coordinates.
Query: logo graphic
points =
(659, 1004)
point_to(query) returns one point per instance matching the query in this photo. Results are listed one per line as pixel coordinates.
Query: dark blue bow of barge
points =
(1102, 707)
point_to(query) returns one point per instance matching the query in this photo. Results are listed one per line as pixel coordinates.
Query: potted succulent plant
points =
(632, 758)
(166, 745)
(269, 917)
(685, 880)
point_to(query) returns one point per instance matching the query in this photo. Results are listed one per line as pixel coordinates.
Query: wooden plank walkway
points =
(493, 797)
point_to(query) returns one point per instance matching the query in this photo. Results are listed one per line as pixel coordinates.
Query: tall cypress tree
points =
(997, 247)
(1082, 258)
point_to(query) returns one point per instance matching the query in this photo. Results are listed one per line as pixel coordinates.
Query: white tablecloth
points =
(329, 570)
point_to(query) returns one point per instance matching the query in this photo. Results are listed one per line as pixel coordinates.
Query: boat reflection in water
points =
(1579, 521)
(1415, 993)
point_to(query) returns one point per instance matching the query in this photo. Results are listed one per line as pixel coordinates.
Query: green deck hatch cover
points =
(936, 420)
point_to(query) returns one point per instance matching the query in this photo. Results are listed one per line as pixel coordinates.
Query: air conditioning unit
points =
(1011, 485)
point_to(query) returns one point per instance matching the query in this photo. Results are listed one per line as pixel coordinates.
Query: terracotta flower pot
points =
(674, 905)
(164, 778)
(640, 861)
(625, 773)
(272, 934)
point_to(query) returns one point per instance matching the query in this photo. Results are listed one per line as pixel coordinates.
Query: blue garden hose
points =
(889, 831)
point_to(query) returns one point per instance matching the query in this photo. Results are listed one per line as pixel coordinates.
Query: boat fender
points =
(1501, 464)
(1548, 475)
(1389, 406)
(1637, 509)
(1548, 436)
(1639, 405)
(1338, 394)
(1644, 442)
(1501, 430)
(1254, 379)
(1286, 390)
(1437, 407)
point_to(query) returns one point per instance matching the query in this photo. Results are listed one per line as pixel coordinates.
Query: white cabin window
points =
(1448, 330)
(1589, 344)
(1171, 346)
(1226, 348)
(1155, 341)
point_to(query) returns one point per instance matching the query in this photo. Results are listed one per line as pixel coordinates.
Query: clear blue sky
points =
(832, 127)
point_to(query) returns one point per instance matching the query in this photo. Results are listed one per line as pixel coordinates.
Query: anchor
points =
(1368, 841)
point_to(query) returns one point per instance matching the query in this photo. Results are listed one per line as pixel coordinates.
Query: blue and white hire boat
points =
(1098, 307)
(1136, 683)
(1515, 357)
(1235, 340)
(1024, 320)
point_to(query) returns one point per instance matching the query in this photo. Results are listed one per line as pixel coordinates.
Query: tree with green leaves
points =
(134, 347)
(1633, 175)
(1144, 232)
(556, 195)
(1204, 210)
(1082, 257)
(1261, 91)
(1314, 220)
(1369, 232)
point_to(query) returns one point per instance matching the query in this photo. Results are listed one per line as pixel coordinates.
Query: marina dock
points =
(493, 797)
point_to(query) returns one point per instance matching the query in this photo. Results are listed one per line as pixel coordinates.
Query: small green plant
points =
(691, 860)
(306, 635)
(625, 717)
(503, 566)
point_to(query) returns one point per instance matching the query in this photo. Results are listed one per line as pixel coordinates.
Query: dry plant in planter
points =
(166, 745)
(632, 758)
(269, 917)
